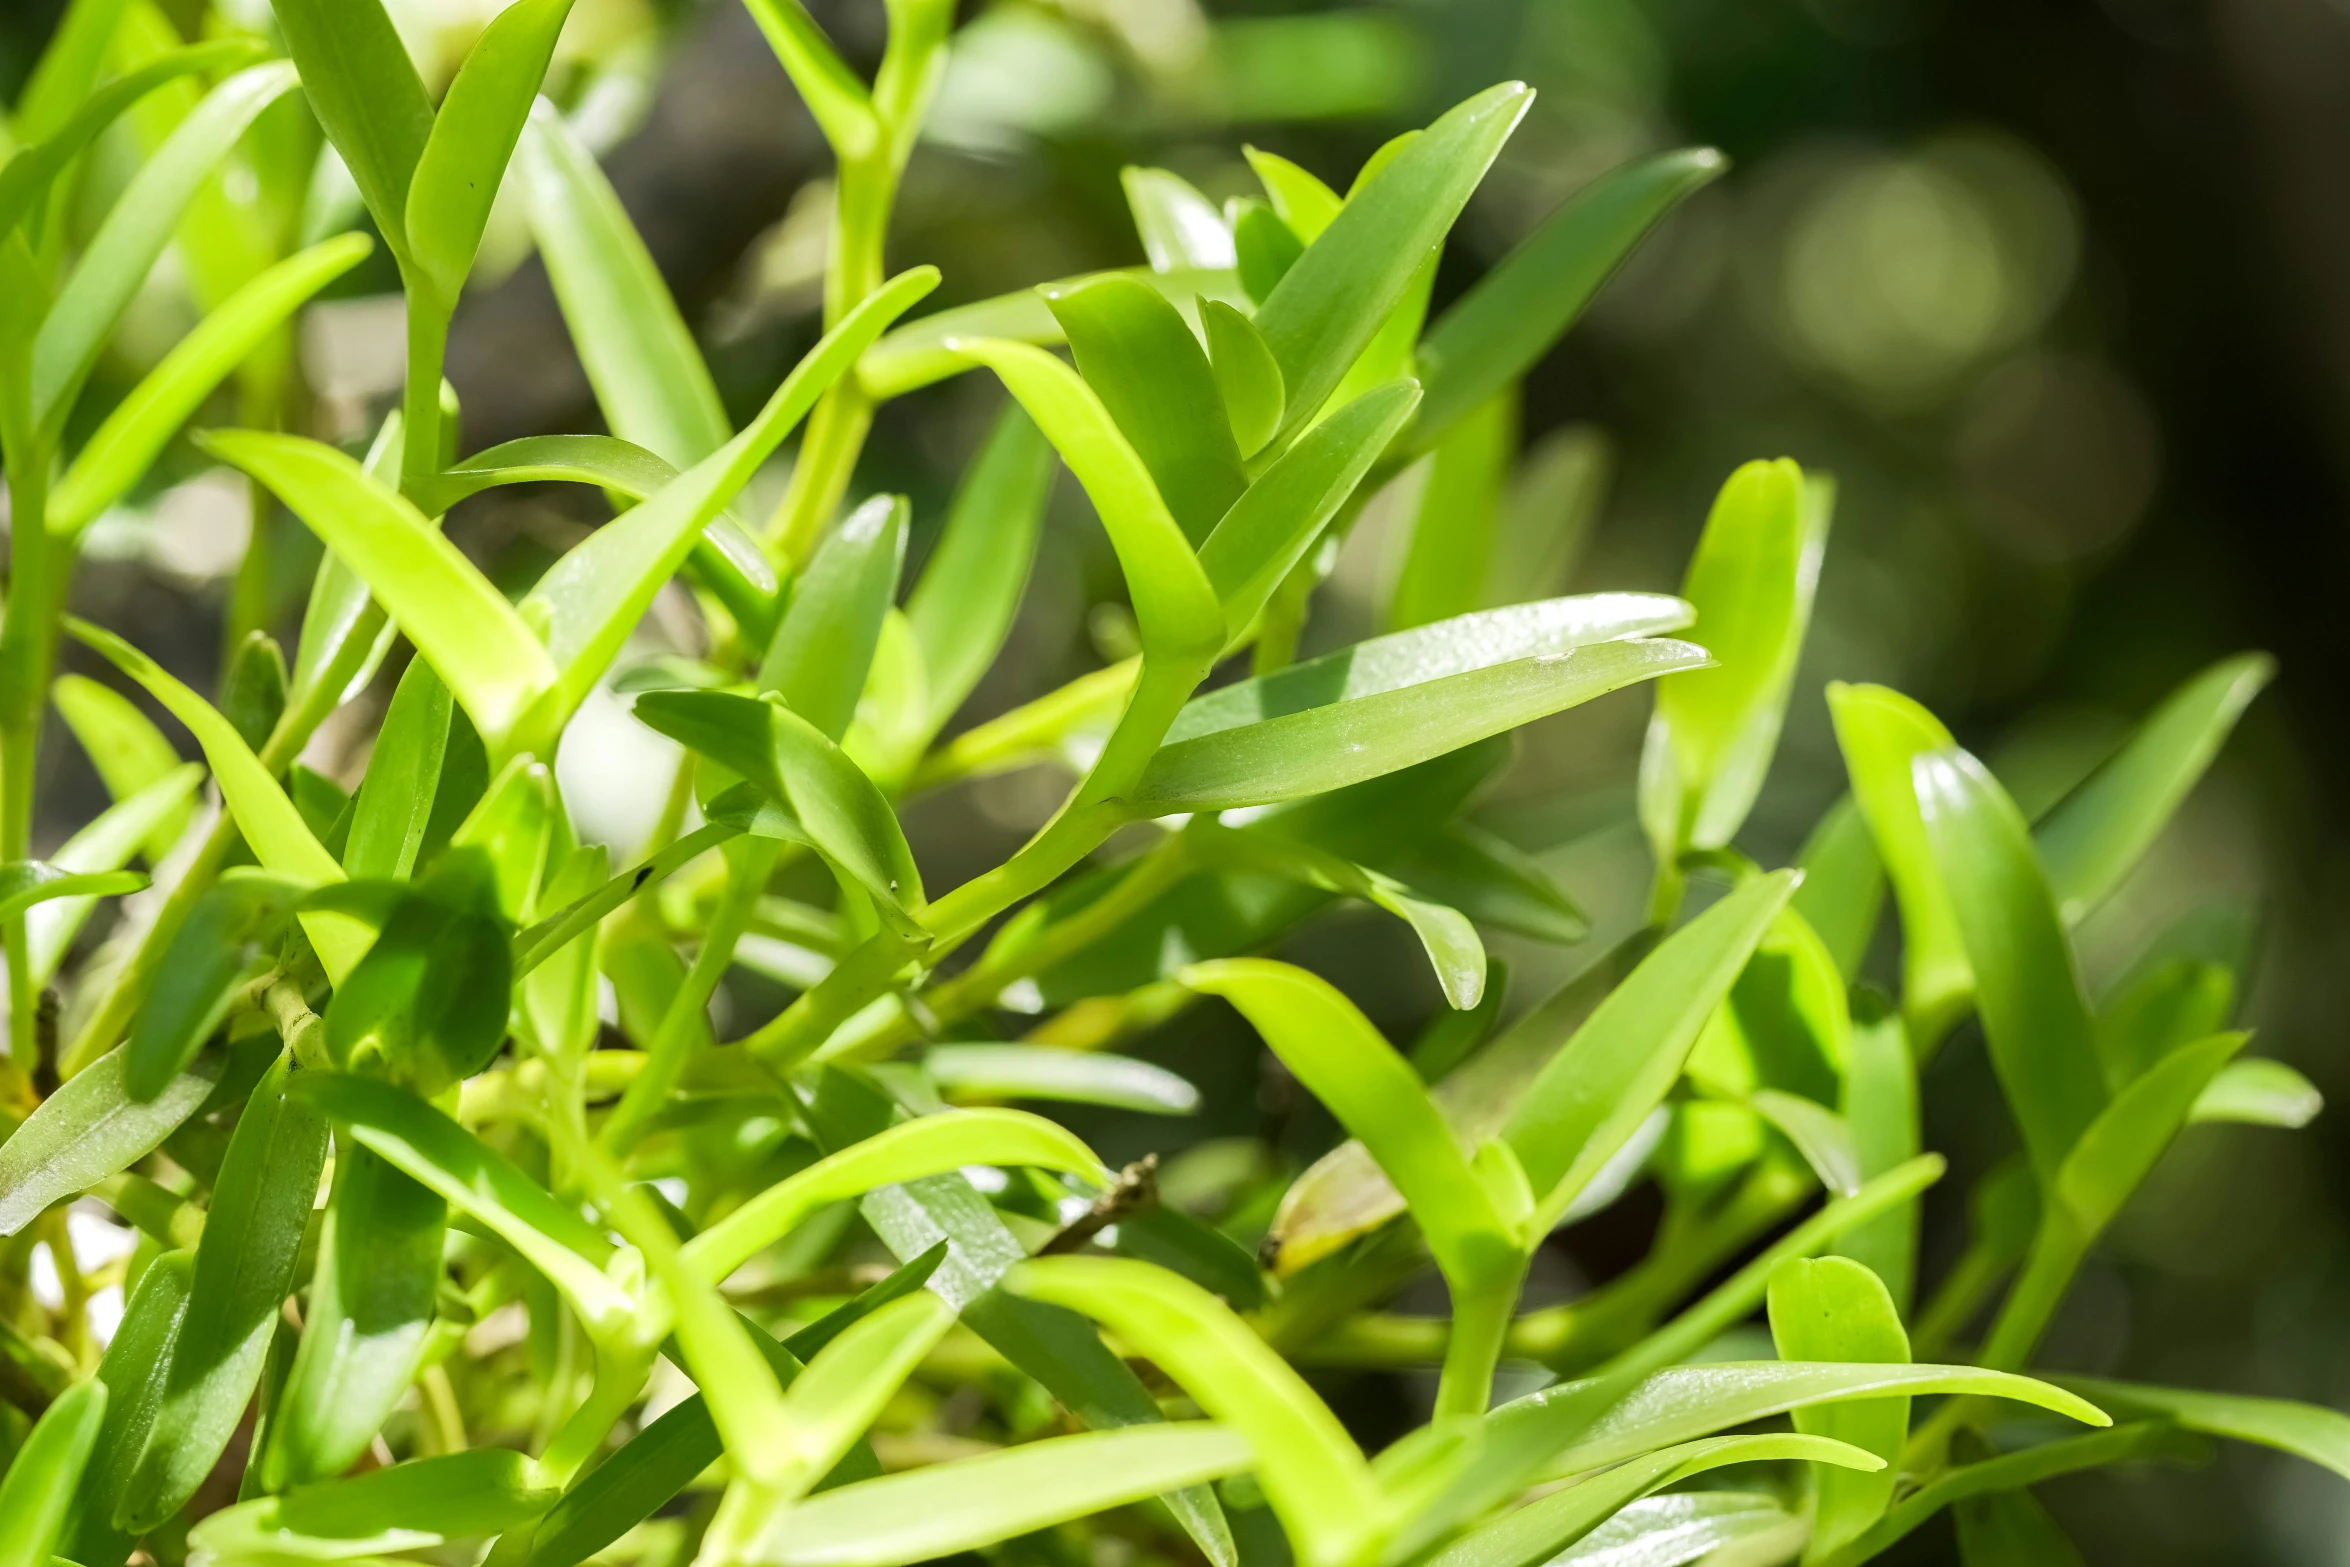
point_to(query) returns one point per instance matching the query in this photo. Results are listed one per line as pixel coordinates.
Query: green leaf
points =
(136, 1366)
(1834, 1309)
(141, 223)
(1493, 882)
(24, 883)
(1327, 307)
(1068, 1076)
(595, 595)
(922, 352)
(211, 956)
(848, 1383)
(1665, 1531)
(363, 1333)
(473, 138)
(1312, 1472)
(432, 994)
(836, 99)
(823, 648)
(2165, 1003)
(1200, 1252)
(1269, 529)
(674, 1449)
(1880, 1105)
(395, 800)
(1174, 606)
(978, 1501)
(1688, 1402)
(1450, 941)
(1881, 732)
(2117, 1149)
(27, 179)
(67, 67)
(1543, 1527)
(1263, 248)
(1299, 197)
(1345, 1063)
(2096, 833)
(1426, 653)
(244, 1266)
(2011, 1529)
(37, 1491)
(1715, 730)
(87, 1130)
(1351, 740)
(105, 845)
(962, 608)
(1248, 378)
(1147, 369)
(1595, 1092)
(511, 825)
(1819, 1134)
(2042, 1043)
(414, 1137)
(473, 637)
(2259, 1093)
(273, 829)
(356, 73)
(1497, 330)
(138, 427)
(1843, 887)
(2308, 1431)
(1450, 545)
(650, 380)
(843, 814)
(129, 752)
(1179, 227)
(929, 1145)
(417, 1505)
(253, 693)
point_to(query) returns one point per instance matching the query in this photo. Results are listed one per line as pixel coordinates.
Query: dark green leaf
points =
(1452, 526)
(421, 1503)
(136, 1367)
(366, 94)
(253, 698)
(823, 647)
(1247, 376)
(1264, 249)
(962, 608)
(87, 1130)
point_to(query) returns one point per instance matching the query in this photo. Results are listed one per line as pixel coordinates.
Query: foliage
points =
(541, 1220)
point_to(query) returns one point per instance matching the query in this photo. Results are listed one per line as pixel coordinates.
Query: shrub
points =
(532, 1204)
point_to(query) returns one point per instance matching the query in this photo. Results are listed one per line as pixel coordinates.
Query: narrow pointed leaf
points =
(107, 844)
(2117, 1149)
(2308, 1431)
(2259, 1093)
(1542, 1528)
(1881, 732)
(1269, 529)
(1820, 1135)
(1347, 742)
(357, 75)
(595, 595)
(136, 1367)
(1068, 1076)
(274, 830)
(2038, 1025)
(1521, 307)
(823, 649)
(1178, 226)
(476, 641)
(423, 1503)
(395, 800)
(976, 1502)
(1298, 196)
(649, 379)
(848, 1382)
(141, 223)
(1140, 359)
(438, 1153)
(962, 608)
(1843, 887)
(1247, 375)
(1326, 308)
(1594, 1093)
(136, 431)
(2096, 833)
(87, 1130)
(1312, 1472)
(1687, 1526)
(129, 752)
(24, 883)
(244, 1266)
(929, 1145)
(1751, 583)
(1425, 653)
(836, 99)
(1174, 606)
(1344, 1062)
(473, 137)
(36, 1492)
(1880, 1105)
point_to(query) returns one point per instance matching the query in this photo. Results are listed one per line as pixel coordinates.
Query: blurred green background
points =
(2058, 289)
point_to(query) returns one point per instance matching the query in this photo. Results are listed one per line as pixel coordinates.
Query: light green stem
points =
(1481, 1311)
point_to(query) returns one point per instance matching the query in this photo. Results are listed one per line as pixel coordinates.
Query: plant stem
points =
(420, 396)
(38, 568)
(1481, 1311)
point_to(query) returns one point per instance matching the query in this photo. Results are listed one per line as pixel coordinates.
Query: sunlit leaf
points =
(1070, 1076)
(2259, 1093)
